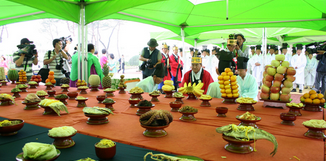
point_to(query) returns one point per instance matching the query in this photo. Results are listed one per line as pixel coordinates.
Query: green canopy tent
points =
(78, 11)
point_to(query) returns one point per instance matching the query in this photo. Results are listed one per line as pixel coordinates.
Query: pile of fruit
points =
(13, 74)
(246, 100)
(36, 78)
(121, 84)
(278, 80)
(168, 86)
(81, 83)
(298, 105)
(205, 97)
(22, 76)
(50, 78)
(2, 73)
(312, 97)
(106, 80)
(195, 89)
(228, 84)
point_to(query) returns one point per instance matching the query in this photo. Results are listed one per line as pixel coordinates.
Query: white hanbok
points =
(257, 71)
(147, 84)
(288, 58)
(310, 71)
(214, 90)
(299, 62)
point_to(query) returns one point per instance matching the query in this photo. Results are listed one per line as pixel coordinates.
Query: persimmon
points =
(51, 72)
(47, 80)
(36, 80)
(51, 77)
(53, 81)
(38, 76)
(227, 70)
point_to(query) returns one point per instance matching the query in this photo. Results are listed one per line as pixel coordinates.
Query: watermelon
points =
(13, 74)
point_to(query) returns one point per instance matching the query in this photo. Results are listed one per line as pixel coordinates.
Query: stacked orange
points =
(22, 76)
(81, 83)
(312, 97)
(228, 84)
(50, 78)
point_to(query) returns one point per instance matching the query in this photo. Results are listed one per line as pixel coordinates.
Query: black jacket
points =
(321, 67)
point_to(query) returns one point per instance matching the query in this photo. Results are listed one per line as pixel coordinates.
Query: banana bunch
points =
(299, 105)
(56, 105)
(246, 100)
(168, 85)
(195, 89)
(188, 109)
(205, 97)
(228, 84)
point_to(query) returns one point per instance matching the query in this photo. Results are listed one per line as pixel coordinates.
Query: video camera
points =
(28, 50)
(64, 41)
(314, 47)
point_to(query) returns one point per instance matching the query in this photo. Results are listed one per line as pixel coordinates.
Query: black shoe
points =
(300, 91)
(294, 90)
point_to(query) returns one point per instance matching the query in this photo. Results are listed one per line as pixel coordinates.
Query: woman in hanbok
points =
(112, 64)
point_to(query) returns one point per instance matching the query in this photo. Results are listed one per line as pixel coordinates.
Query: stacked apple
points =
(228, 84)
(36, 78)
(278, 80)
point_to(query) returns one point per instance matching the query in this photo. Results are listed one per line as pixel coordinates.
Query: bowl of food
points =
(288, 118)
(10, 127)
(188, 113)
(155, 121)
(51, 93)
(31, 101)
(175, 106)
(16, 92)
(97, 115)
(248, 119)
(62, 136)
(72, 95)
(33, 151)
(62, 98)
(315, 129)
(105, 149)
(100, 98)
(221, 111)
(108, 102)
(133, 102)
(41, 94)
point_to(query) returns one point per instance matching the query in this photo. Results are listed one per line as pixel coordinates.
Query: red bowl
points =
(11, 130)
(100, 98)
(106, 153)
(72, 94)
(51, 92)
(175, 104)
(288, 117)
(221, 110)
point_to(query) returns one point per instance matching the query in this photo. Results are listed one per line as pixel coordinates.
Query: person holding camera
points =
(25, 57)
(321, 70)
(226, 56)
(150, 57)
(54, 60)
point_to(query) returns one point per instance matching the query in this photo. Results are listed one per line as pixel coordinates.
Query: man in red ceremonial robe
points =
(197, 74)
(166, 65)
(176, 65)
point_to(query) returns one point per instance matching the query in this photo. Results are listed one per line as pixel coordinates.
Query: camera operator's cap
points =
(258, 47)
(175, 48)
(152, 43)
(232, 40)
(242, 62)
(252, 47)
(196, 60)
(180, 49)
(299, 46)
(25, 40)
(241, 36)
(191, 49)
(164, 46)
(159, 72)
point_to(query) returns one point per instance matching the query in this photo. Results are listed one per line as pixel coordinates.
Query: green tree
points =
(134, 61)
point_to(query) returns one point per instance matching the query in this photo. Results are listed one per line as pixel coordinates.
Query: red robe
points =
(168, 75)
(174, 66)
(206, 79)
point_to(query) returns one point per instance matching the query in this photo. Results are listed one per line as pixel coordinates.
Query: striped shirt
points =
(29, 71)
(52, 65)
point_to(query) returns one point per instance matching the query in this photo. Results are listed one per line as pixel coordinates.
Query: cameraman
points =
(150, 57)
(54, 60)
(24, 60)
(321, 71)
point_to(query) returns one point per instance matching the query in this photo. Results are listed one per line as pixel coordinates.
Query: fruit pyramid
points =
(312, 97)
(22, 76)
(50, 78)
(121, 83)
(81, 83)
(168, 85)
(36, 78)
(228, 84)
(278, 80)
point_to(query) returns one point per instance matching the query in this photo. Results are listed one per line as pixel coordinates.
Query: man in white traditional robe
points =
(310, 70)
(247, 83)
(257, 65)
(298, 62)
(252, 48)
(151, 83)
(284, 50)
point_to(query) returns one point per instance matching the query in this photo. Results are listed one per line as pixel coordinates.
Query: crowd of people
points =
(61, 62)
(247, 62)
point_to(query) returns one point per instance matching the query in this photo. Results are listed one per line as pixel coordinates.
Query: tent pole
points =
(82, 11)
(183, 49)
(196, 43)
